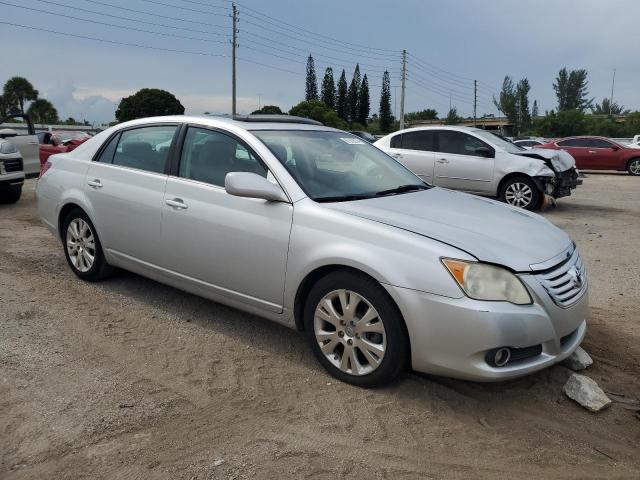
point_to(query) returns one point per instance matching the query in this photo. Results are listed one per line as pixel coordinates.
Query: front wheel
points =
(355, 329)
(10, 194)
(634, 167)
(521, 192)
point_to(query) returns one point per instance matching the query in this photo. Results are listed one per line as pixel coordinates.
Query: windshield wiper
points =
(401, 189)
(344, 198)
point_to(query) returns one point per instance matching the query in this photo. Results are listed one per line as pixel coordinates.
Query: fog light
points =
(498, 357)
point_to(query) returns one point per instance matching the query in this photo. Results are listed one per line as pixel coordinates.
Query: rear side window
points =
(144, 148)
(396, 142)
(458, 143)
(574, 142)
(422, 140)
(107, 153)
(208, 155)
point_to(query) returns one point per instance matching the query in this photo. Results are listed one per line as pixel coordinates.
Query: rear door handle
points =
(177, 203)
(95, 183)
(397, 155)
(443, 160)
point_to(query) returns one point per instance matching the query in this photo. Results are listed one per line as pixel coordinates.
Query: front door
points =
(236, 247)
(125, 186)
(459, 166)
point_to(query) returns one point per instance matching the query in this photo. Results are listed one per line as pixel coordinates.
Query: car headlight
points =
(7, 147)
(481, 281)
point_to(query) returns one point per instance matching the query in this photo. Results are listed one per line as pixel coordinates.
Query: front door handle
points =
(443, 160)
(95, 183)
(176, 203)
(592, 151)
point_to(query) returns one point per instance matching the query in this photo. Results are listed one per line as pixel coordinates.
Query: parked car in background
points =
(319, 230)
(477, 161)
(528, 143)
(26, 142)
(634, 145)
(59, 141)
(598, 153)
(364, 135)
(11, 172)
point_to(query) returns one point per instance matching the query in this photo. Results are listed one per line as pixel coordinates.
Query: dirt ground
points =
(132, 379)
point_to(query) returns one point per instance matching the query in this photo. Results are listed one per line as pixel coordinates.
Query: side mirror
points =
(484, 152)
(252, 185)
(615, 148)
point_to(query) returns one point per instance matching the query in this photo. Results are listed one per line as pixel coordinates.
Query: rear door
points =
(458, 165)
(125, 185)
(232, 246)
(415, 150)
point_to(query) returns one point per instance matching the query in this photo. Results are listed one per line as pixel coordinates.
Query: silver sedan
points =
(317, 229)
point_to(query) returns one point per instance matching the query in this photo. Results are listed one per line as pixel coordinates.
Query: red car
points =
(598, 153)
(59, 142)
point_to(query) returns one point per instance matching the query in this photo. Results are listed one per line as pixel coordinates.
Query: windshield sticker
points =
(352, 141)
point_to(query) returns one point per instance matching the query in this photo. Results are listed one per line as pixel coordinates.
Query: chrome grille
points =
(566, 282)
(13, 165)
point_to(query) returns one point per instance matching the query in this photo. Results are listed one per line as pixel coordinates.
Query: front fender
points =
(323, 237)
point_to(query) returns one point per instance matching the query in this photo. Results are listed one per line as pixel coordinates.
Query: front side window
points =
(144, 148)
(599, 143)
(336, 166)
(208, 155)
(458, 143)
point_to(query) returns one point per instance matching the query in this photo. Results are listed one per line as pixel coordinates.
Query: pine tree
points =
(534, 109)
(328, 91)
(354, 92)
(342, 107)
(386, 118)
(363, 102)
(311, 89)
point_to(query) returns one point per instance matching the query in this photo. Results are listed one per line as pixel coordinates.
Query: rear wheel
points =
(634, 167)
(355, 329)
(82, 247)
(521, 192)
(10, 194)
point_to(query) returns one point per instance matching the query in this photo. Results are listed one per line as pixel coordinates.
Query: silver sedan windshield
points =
(337, 166)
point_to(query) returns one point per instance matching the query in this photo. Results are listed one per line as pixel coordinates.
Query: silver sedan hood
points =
(490, 231)
(560, 159)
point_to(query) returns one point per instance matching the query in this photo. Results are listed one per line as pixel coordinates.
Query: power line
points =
(189, 9)
(133, 19)
(102, 4)
(303, 30)
(453, 76)
(164, 34)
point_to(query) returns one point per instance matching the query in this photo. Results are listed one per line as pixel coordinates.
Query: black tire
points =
(99, 269)
(396, 356)
(10, 194)
(633, 167)
(512, 183)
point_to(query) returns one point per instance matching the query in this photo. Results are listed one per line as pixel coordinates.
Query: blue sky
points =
(449, 44)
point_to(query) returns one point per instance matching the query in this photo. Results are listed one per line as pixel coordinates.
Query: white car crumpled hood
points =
(560, 159)
(488, 230)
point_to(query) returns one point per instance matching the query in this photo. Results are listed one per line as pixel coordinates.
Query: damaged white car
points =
(477, 161)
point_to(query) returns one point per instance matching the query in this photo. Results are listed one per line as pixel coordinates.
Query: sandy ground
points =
(132, 379)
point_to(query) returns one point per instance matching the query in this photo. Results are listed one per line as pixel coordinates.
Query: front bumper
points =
(14, 178)
(451, 336)
(561, 184)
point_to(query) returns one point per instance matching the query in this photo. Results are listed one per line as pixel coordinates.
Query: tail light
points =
(44, 167)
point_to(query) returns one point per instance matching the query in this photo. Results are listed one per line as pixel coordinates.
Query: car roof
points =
(440, 127)
(222, 122)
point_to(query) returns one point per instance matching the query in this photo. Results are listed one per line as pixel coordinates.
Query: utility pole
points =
(613, 83)
(475, 101)
(402, 87)
(234, 45)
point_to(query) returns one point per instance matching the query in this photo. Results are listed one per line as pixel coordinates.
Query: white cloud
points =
(81, 103)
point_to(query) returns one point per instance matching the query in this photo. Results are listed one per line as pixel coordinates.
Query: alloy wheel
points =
(634, 167)
(518, 194)
(350, 332)
(81, 245)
